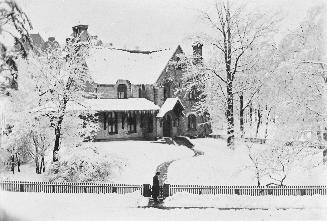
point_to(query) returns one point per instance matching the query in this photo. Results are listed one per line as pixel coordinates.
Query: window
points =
(142, 91)
(142, 120)
(131, 122)
(122, 91)
(104, 121)
(112, 123)
(191, 122)
(123, 117)
(176, 122)
(150, 123)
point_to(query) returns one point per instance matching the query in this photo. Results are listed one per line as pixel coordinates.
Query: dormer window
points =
(122, 91)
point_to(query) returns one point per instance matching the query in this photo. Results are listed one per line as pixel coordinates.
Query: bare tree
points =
(235, 33)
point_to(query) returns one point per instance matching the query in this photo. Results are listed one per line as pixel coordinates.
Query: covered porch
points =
(169, 118)
(119, 119)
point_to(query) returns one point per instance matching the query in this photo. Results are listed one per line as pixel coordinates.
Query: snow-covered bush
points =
(84, 164)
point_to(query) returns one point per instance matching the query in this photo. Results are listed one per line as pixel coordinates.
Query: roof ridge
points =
(137, 51)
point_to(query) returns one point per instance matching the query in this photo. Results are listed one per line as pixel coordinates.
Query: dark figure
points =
(155, 187)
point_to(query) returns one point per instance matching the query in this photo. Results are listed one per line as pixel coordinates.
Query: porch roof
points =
(130, 104)
(169, 105)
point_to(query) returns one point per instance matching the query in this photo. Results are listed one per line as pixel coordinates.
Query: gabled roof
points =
(169, 105)
(107, 65)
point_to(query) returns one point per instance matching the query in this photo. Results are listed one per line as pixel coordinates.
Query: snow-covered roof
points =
(169, 105)
(130, 104)
(107, 65)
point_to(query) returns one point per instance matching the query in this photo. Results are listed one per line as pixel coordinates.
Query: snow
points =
(80, 207)
(218, 166)
(27, 174)
(222, 166)
(129, 104)
(142, 158)
(107, 65)
(168, 106)
(183, 199)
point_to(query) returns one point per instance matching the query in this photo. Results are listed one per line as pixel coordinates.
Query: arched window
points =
(122, 91)
(191, 121)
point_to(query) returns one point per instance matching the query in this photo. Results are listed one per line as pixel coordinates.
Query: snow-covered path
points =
(163, 168)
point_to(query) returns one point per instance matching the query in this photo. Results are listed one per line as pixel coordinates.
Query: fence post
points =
(165, 190)
(21, 187)
(146, 190)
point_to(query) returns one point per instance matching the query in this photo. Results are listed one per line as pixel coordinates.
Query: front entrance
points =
(167, 126)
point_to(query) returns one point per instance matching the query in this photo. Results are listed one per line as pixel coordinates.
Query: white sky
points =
(144, 23)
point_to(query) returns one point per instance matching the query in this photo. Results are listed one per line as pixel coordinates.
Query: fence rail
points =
(249, 190)
(165, 191)
(54, 187)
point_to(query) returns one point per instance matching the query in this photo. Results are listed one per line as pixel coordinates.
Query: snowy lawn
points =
(221, 166)
(140, 160)
(27, 174)
(80, 207)
(184, 199)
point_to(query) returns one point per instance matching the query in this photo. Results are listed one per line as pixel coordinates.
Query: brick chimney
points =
(78, 29)
(197, 52)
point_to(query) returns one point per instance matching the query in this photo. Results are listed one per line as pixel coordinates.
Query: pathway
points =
(163, 168)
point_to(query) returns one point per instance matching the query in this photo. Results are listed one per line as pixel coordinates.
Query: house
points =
(134, 93)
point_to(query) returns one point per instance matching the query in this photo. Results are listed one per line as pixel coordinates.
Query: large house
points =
(134, 92)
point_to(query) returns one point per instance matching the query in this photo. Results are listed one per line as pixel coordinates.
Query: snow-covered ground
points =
(141, 159)
(183, 199)
(71, 207)
(221, 166)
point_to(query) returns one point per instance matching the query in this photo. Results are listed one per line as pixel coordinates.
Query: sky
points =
(140, 23)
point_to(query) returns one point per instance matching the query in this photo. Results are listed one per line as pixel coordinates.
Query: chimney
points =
(197, 51)
(78, 29)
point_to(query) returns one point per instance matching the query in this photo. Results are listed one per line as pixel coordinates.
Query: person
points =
(155, 187)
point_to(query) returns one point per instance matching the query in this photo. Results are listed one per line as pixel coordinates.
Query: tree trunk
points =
(267, 123)
(57, 143)
(241, 116)
(58, 129)
(251, 115)
(230, 116)
(258, 122)
(229, 81)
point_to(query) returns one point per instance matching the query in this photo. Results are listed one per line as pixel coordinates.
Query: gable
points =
(166, 73)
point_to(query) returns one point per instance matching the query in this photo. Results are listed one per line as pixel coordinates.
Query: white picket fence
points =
(54, 187)
(249, 190)
(166, 189)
